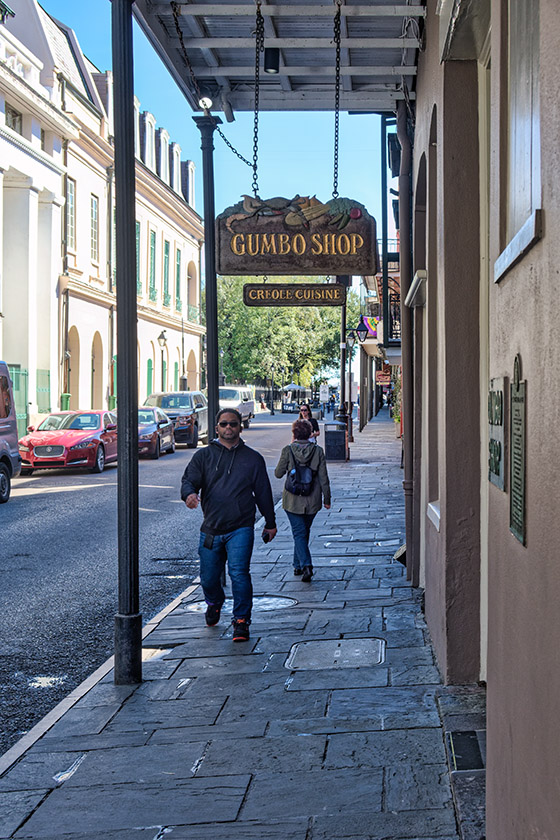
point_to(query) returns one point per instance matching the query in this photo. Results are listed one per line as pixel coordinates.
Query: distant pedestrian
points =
(305, 414)
(312, 489)
(233, 481)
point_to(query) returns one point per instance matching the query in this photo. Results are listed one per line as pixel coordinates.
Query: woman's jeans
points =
(301, 526)
(235, 547)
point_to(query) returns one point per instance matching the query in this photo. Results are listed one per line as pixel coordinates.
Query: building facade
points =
(65, 250)
(486, 355)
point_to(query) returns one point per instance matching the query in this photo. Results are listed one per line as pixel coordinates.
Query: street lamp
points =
(222, 377)
(362, 330)
(272, 389)
(351, 336)
(162, 341)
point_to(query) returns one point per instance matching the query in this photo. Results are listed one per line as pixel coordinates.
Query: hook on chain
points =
(337, 38)
(259, 47)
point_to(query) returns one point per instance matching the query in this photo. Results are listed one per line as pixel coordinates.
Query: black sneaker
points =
(240, 630)
(298, 571)
(307, 574)
(212, 614)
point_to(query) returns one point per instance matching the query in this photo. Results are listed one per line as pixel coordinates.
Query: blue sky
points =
(296, 149)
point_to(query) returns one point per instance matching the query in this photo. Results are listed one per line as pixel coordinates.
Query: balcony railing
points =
(139, 289)
(153, 294)
(179, 305)
(166, 299)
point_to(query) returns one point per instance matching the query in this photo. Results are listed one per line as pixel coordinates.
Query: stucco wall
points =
(452, 545)
(524, 582)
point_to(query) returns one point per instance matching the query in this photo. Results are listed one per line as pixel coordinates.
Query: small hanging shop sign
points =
(294, 294)
(296, 236)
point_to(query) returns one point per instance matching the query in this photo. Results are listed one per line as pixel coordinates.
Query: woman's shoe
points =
(307, 574)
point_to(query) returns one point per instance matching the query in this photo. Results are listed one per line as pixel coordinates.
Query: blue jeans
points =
(301, 526)
(235, 547)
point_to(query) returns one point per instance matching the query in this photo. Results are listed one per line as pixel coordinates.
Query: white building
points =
(59, 318)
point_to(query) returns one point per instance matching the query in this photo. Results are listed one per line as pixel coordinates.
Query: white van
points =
(10, 459)
(241, 398)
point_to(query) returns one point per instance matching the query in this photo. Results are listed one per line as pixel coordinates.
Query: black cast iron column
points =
(128, 621)
(206, 126)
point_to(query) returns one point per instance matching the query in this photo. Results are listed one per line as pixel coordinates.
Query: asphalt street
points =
(59, 570)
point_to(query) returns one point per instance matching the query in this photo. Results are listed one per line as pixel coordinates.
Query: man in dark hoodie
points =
(233, 481)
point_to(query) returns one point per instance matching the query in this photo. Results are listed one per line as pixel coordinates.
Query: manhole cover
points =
(262, 603)
(335, 653)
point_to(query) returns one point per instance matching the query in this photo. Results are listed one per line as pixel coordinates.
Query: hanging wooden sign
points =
(294, 294)
(300, 235)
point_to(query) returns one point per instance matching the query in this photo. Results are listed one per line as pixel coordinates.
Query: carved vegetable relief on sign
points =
(300, 235)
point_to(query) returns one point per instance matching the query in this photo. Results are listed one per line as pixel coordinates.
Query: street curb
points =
(20, 747)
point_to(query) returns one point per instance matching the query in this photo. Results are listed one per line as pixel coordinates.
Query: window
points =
(178, 275)
(71, 214)
(524, 181)
(138, 281)
(94, 228)
(166, 295)
(5, 401)
(153, 293)
(14, 119)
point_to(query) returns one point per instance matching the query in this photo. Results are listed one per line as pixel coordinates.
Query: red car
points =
(70, 439)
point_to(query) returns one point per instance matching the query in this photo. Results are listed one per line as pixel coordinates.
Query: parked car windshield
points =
(229, 394)
(53, 422)
(171, 401)
(85, 422)
(146, 416)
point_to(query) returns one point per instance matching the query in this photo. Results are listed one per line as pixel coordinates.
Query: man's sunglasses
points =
(233, 423)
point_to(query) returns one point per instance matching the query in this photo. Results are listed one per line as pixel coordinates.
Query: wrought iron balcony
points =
(153, 294)
(179, 305)
(166, 299)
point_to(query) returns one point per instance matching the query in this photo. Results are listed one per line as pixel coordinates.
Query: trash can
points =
(64, 402)
(316, 413)
(335, 441)
(112, 402)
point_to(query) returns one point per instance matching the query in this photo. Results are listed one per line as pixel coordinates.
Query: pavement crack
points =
(196, 766)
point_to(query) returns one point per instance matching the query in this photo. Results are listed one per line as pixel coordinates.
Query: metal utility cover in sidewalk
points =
(335, 653)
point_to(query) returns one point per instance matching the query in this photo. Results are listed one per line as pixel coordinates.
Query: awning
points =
(379, 47)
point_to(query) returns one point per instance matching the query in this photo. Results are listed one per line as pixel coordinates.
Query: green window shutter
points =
(150, 376)
(176, 377)
(178, 276)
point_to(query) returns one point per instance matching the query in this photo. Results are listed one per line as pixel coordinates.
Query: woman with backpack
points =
(306, 489)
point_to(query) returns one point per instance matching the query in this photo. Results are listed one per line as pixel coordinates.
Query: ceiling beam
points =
(248, 71)
(300, 43)
(270, 32)
(303, 10)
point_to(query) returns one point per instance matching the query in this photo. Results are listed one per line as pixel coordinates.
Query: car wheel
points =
(99, 465)
(156, 453)
(26, 471)
(171, 449)
(246, 423)
(5, 484)
(194, 442)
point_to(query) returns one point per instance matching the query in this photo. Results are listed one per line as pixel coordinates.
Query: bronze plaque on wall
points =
(497, 425)
(294, 294)
(517, 458)
(296, 236)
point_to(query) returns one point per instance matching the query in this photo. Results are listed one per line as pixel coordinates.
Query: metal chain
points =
(337, 28)
(175, 7)
(259, 47)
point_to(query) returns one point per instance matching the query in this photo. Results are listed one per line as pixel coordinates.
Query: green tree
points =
(304, 340)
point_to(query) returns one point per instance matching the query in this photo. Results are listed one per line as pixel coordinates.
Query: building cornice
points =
(53, 116)
(15, 139)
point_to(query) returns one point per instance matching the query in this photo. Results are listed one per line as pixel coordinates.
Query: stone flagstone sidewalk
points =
(324, 725)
